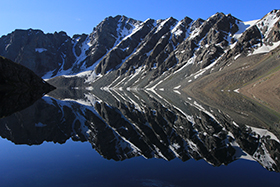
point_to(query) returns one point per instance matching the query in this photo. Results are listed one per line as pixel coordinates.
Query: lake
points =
(88, 137)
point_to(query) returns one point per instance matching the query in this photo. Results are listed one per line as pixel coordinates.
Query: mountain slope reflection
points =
(121, 125)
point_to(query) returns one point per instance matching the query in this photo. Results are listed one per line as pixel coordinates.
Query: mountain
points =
(133, 62)
(19, 87)
(123, 124)
(58, 54)
(123, 53)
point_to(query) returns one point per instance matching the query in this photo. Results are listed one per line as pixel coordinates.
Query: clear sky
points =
(80, 16)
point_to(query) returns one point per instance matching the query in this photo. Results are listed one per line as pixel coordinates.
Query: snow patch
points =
(266, 48)
(177, 87)
(194, 33)
(176, 91)
(236, 57)
(124, 33)
(161, 25)
(48, 75)
(267, 23)
(201, 71)
(176, 145)
(176, 30)
(235, 124)
(137, 71)
(264, 133)
(189, 117)
(243, 26)
(40, 125)
(236, 90)
(153, 88)
(40, 50)
(189, 62)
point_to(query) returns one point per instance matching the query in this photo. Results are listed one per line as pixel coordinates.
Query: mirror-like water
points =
(140, 138)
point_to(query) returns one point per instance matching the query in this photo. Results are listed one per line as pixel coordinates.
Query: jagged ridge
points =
(125, 53)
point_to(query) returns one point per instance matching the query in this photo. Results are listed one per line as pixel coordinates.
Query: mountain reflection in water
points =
(125, 124)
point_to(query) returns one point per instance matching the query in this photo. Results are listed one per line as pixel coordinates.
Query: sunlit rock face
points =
(19, 87)
(122, 52)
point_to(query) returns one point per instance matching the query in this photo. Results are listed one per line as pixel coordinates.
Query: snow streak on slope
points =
(79, 62)
(149, 55)
(162, 24)
(176, 30)
(266, 23)
(84, 48)
(265, 48)
(243, 26)
(125, 32)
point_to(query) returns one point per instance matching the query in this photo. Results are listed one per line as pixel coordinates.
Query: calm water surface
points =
(109, 138)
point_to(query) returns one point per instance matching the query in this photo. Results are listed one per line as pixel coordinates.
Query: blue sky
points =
(80, 16)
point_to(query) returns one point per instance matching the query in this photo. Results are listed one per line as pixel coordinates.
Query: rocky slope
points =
(125, 53)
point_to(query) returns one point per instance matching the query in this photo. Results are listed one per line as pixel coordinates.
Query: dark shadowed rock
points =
(37, 51)
(19, 87)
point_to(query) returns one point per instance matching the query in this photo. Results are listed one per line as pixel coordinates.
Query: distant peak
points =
(187, 20)
(29, 31)
(120, 17)
(217, 15)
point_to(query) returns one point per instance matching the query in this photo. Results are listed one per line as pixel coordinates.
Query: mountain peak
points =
(148, 52)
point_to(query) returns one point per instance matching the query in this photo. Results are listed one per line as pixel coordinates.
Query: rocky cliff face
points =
(125, 53)
(166, 54)
(58, 54)
(38, 51)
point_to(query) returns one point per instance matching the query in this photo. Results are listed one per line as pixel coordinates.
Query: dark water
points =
(139, 138)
